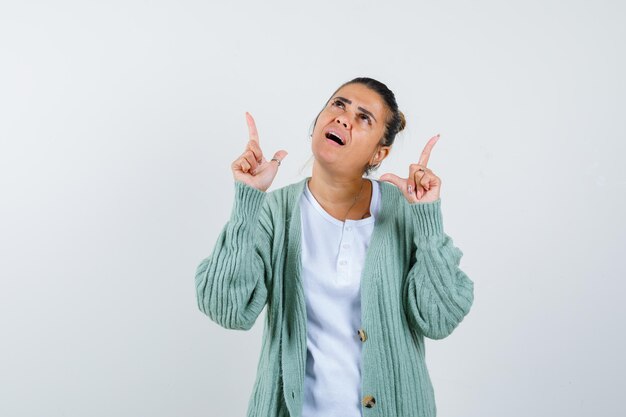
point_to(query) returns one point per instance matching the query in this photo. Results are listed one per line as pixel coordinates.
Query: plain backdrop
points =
(118, 124)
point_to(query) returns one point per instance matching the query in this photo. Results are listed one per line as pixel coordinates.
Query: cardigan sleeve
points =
(439, 295)
(231, 284)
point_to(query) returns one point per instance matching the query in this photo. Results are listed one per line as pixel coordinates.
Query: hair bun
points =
(402, 121)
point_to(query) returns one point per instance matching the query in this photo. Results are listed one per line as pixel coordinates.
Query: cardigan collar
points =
(388, 195)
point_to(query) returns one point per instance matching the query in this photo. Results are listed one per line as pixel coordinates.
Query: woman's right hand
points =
(251, 167)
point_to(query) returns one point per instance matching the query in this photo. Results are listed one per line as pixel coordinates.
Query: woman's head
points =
(364, 113)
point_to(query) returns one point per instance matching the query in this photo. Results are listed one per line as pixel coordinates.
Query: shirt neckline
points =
(357, 223)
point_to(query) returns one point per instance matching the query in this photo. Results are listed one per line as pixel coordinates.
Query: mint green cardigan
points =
(411, 288)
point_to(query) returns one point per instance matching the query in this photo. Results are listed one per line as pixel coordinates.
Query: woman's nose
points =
(343, 121)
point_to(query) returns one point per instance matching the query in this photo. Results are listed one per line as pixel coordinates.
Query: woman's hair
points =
(395, 122)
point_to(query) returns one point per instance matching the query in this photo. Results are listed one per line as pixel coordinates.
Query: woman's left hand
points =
(422, 185)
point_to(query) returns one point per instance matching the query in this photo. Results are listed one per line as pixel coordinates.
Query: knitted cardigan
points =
(411, 288)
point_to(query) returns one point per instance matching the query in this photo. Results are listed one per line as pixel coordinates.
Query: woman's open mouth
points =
(334, 138)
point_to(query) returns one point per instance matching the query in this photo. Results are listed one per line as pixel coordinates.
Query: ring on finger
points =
(419, 177)
(418, 181)
(427, 186)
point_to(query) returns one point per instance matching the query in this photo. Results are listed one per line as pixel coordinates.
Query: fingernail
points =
(410, 189)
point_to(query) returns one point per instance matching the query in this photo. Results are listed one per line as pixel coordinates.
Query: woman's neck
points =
(336, 194)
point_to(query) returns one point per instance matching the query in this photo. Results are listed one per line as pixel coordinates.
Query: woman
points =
(355, 272)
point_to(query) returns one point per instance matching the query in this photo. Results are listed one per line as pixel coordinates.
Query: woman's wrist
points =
(248, 200)
(428, 217)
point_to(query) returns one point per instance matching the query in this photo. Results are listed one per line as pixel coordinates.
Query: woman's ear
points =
(381, 153)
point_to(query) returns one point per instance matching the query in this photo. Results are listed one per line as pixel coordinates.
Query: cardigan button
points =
(369, 401)
(362, 335)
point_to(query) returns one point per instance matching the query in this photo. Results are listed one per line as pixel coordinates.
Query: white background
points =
(118, 124)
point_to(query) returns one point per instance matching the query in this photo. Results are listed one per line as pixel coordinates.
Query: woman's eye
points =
(338, 103)
(366, 117)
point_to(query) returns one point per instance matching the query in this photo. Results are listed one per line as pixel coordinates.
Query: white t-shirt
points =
(333, 254)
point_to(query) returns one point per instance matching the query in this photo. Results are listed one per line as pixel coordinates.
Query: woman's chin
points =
(326, 156)
(327, 147)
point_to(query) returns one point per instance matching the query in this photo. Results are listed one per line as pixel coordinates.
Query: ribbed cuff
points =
(428, 217)
(248, 200)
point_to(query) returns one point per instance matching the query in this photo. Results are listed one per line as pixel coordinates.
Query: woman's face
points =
(357, 115)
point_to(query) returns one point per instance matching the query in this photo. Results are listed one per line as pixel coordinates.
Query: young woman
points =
(354, 272)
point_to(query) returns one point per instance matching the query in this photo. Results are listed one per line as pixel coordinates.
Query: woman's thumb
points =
(280, 155)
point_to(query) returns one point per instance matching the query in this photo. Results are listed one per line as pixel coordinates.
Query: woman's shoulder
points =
(390, 192)
(394, 203)
(283, 198)
(288, 191)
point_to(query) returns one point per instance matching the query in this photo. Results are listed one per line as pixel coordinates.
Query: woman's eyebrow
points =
(345, 100)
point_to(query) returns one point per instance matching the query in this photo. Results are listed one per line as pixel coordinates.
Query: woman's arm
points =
(231, 282)
(438, 293)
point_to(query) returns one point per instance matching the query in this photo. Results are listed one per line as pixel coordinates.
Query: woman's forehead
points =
(362, 96)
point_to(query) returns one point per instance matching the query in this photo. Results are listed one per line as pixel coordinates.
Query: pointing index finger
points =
(252, 132)
(426, 152)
